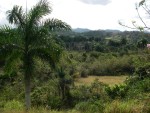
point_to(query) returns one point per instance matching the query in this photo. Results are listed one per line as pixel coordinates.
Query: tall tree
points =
(30, 38)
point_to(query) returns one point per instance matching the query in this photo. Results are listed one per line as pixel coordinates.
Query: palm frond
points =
(37, 12)
(16, 16)
(39, 37)
(9, 35)
(56, 25)
(12, 61)
(44, 33)
(7, 49)
(51, 55)
(5, 33)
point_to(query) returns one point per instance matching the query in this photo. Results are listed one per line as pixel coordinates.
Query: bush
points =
(94, 55)
(84, 73)
(122, 107)
(80, 93)
(117, 91)
(110, 65)
(10, 92)
(39, 96)
(13, 105)
(84, 93)
(54, 102)
(44, 95)
(97, 90)
(2, 103)
(90, 107)
(137, 87)
(143, 71)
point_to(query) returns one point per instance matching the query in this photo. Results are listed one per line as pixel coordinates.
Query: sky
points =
(91, 14)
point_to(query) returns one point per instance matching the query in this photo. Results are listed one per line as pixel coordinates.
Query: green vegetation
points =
(56, 70)
(30, 39)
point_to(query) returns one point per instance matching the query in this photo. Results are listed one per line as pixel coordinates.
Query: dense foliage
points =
(30, 38)
(104, 41)
(56, 89)
(34, 48)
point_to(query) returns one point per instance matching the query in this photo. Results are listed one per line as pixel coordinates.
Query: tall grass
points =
(123, 107)
(39, 110)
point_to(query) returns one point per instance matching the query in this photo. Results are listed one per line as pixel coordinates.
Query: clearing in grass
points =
(110, 80)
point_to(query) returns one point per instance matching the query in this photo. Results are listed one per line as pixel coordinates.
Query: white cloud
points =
(95, 16)
(96, 2)
(79, 14)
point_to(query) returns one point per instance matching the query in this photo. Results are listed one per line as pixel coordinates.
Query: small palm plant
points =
(30, 38)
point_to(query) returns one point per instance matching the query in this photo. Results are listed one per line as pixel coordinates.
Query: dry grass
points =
(41, 110)
(110, 80)
(130, 106)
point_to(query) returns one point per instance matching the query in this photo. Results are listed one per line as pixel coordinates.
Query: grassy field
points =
(40, 111)
(110, 80)
(114, 106)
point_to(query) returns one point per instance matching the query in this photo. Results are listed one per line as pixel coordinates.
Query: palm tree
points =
(30, 38)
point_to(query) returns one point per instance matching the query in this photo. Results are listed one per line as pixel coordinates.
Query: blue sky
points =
(92, 14)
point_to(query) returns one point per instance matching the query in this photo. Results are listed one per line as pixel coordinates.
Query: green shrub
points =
(84, 73)
(76, 75)
(80, 93)
(54, 102)
(83, 93)
(41, 94)
(122, 107)
(13, 105)
(38, 97)
(90, 107)
(144, 85)
(10, 92)
(143, 71)
(137, 87)
(2, 103)
(97, 90)
(117, 91)
(94, 55)
(110, 65)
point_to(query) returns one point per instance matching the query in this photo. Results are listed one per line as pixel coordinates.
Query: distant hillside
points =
(133, 36)
(113, 31)
(80, 30)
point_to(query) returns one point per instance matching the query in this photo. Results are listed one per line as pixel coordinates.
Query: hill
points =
(80, 30)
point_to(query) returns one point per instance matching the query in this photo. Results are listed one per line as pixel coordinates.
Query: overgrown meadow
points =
(59, 91)
(45, 70)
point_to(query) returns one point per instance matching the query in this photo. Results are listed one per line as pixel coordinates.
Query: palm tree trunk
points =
(27, 75)
(27, 91)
